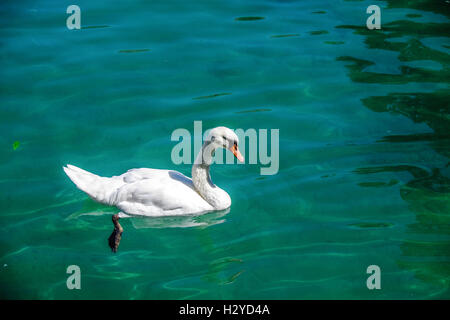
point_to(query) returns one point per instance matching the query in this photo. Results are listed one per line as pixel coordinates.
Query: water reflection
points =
(90, 208)
(204, 220)
(426, 247)
(285, 35)
(133, 50)
(222, 270)
(248, 18)
(430, 108)
(440, 7)
(318, 32)
(212, 96)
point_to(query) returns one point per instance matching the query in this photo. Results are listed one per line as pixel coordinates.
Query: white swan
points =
(154, 192)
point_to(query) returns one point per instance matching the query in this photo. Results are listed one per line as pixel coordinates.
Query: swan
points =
(155, 192)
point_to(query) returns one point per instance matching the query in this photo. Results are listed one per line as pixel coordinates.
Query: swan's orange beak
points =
(237, 153)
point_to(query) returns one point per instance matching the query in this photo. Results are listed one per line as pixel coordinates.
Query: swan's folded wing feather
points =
(160, 193)
(134, 175)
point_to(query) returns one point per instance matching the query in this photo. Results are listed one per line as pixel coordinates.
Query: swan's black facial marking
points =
(225, 143)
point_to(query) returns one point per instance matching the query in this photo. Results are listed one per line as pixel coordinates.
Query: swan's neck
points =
(201, 178)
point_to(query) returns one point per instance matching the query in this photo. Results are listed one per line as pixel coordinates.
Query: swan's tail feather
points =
(73, 168)
(100, 189)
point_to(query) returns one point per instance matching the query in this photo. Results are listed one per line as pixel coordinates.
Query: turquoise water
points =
(364, 147)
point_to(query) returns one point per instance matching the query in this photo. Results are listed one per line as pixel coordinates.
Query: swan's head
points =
(222, 137)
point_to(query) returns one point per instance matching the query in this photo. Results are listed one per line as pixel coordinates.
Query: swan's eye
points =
(224, 138)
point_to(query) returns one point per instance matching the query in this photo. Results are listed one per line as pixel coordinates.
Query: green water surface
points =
(364, 121)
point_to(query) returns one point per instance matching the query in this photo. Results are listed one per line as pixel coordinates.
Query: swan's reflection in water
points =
(188, 221)
(91, 208)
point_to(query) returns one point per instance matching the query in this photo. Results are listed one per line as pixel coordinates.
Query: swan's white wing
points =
(154, 192)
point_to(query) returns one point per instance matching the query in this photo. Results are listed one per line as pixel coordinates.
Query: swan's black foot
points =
(116, 235)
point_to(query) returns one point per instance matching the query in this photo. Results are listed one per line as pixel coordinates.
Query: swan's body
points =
(148, 192)
(154, 192)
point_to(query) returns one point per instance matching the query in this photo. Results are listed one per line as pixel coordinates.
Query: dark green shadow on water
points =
(410, 50)
(428, 196)
(285, 35)
(212, 96)
(318, 32)
(413, 15)
(366, 225)
(334, 42)
(133, 50)
(378, 184)
(248, 18)
(430, 108)
(440, 7)
(407, 74)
